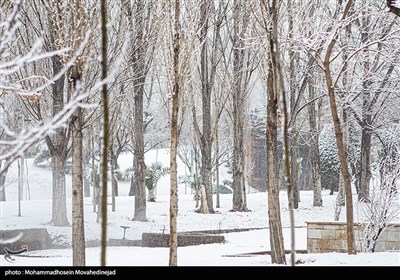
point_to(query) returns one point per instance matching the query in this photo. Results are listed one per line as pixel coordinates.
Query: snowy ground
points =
(36, 212)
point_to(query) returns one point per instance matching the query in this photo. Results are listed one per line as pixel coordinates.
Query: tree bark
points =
(339, 138)
(3, 183)
(217, 190)
(314, 151)
(106, 129)
(275, 224)
(292, 137)
(238, 99)
(112, 166)
(205, 139)
(173, 208)
(58, 147)
(78, 226)
(365, 164)
(59, 201)
(139, 165)
(274, 217)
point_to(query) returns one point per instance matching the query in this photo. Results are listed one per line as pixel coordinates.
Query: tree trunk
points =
(59, 205)
(339, 138)
(217, 167)
(112, 165)
(139, 166)
(292, 106)
(86, 163)
(95, 178)
(106, 130)
(173, 208)
(3, 183)
(293, 169)
(78, 226)
(365, 165)
(238, 100)
(205, 139)
(57, 146)
(196, 180)
(314, 150)
(274, 216)
(275, 224)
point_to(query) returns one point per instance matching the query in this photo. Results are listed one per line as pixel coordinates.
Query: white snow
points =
(36, 212)
(396, 4)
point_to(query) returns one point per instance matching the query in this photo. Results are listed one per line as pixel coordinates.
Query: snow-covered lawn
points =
(36, 212)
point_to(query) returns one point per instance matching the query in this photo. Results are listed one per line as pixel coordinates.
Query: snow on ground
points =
(36, 212)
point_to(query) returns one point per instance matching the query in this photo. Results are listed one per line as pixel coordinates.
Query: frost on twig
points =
(13, 144)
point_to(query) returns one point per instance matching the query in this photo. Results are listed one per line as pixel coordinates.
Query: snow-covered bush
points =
(329, 159)
(42, 157)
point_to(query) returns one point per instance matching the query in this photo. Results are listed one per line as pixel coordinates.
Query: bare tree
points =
(383, 205)
(176, 92)
(104, 179)
(339, 134)
(142, 26)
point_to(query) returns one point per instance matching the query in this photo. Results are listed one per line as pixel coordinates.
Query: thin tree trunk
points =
(274, 217)
(3, 183)
(94, 178)
(139, 165)
(86, 180)
(106, 129)
(138, 60)
(292, 137)
(238, 161)
(205, 138)
(173, 208)
(365, 165)
(339, 138)
(196, 180)
(78, 226)
(112, 165)
(217, 167)
(275, 224)
(314, 150)
(58, 149)
(340, 199)
(364, 171)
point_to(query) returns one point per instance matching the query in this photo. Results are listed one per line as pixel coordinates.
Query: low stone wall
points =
(325, 237)
(184, 239)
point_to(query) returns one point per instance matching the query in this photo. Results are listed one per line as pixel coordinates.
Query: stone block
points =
(314, 225)
(324, 245)
(341, 234)
(313, 233)
(358, 245)
(338, 245)
(312, 246)
(343, 226)
(392, 235)
(380, 246)
(358, 235)
(331, 226)
(384, 236)
(392, 245)
(328, 234)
